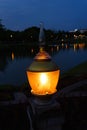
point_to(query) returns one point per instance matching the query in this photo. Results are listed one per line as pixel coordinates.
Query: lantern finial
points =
(41, 35)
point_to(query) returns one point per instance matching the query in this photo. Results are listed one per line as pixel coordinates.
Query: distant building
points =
(83, 30)
(80, 30)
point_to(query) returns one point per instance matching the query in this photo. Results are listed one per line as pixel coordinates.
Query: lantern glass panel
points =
(43, 83)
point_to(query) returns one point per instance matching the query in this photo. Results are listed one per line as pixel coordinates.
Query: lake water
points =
(15, 61)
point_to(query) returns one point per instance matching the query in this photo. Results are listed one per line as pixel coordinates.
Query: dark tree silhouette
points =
(2, 27)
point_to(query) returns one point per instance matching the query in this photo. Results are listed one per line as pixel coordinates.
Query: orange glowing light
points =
(81, 45)
(12, 55)
(43, 83)
(43, 78)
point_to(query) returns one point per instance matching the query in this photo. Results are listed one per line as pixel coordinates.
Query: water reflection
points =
(21, 52)
(57, 48)
(32, 50)
(17, 59)
(79, 46)
(12, 55)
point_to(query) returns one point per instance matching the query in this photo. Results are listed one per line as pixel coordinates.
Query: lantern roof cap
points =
(43, 66)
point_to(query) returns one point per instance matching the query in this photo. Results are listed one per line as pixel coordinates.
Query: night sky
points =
(56, 14)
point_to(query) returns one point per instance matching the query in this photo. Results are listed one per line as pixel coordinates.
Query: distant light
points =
(76, 30)
(11, 35)
(32, 50)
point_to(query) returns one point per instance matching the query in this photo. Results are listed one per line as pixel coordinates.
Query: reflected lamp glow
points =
(43, 74)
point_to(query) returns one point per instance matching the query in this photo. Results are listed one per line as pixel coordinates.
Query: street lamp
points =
(43, 73)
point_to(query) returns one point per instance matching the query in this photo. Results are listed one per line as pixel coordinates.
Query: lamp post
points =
(43, 74)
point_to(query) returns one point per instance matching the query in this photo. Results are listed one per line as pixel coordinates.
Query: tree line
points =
(31, 34)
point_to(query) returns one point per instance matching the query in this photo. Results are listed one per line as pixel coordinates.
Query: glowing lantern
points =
(43, 74)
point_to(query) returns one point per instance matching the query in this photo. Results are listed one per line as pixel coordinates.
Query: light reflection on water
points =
(14, 63)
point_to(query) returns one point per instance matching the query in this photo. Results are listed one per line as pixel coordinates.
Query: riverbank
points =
(80, 69)
(73, 75)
